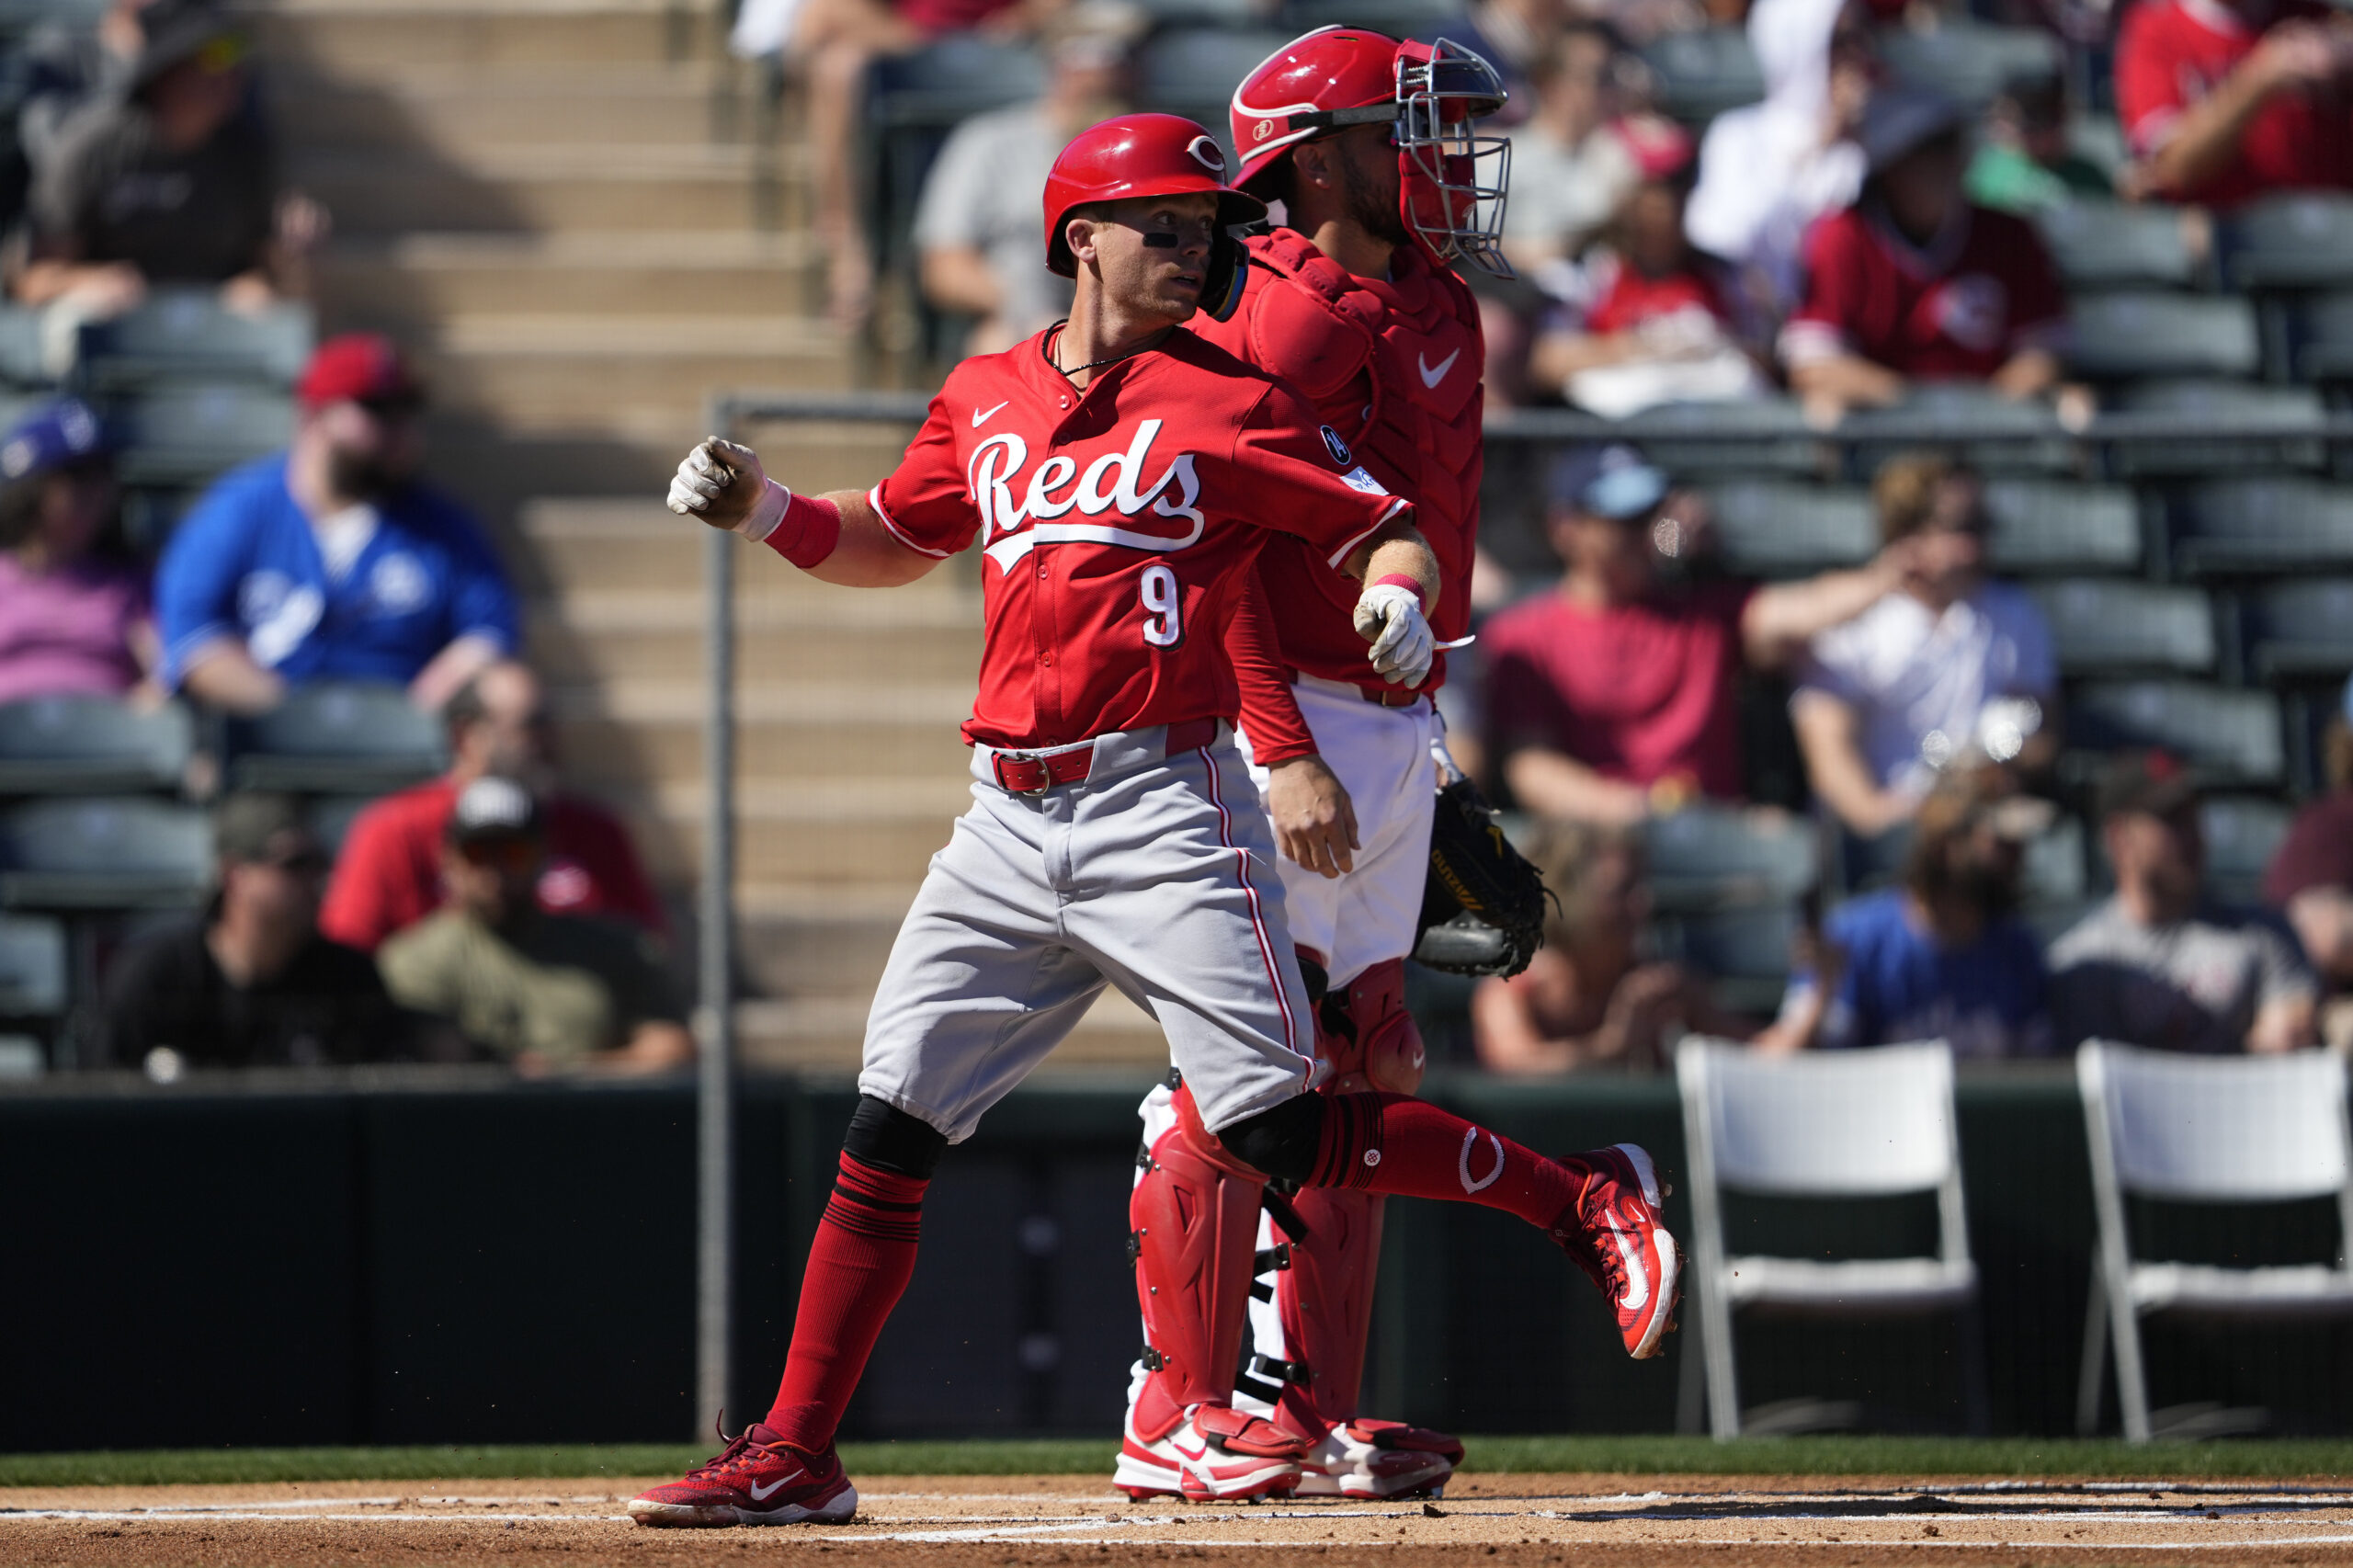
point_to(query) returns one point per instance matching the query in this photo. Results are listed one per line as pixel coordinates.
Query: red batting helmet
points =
(1152, 154)
(1451, 182)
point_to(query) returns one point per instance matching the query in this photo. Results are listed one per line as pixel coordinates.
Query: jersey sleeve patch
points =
(1357, 479)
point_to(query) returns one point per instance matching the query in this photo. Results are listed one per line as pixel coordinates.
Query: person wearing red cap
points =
(331, 561)
(1121, 475)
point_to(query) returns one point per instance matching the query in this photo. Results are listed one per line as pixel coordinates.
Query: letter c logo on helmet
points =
(1152, 154)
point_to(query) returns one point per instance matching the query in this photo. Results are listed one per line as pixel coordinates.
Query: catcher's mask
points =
(1450, 180)
(1153, 155)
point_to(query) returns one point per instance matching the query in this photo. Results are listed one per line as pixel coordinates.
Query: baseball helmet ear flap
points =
(1229, 270)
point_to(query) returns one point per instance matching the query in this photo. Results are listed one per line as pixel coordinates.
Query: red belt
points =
(1034, 773)
(1380, 695)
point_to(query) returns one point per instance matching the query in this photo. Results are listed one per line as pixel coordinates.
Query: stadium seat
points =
(1857, 1125)
(2110, 244)
(1399, 18)
(2062, 526)
(2302, 627)
(2228, 734)
(2242, 1130)
(1969, 62)
(2110, 627)
(2252, 527)
(32, 967)
(2138, 332)
(92, 746)
(1715, 856)
(1701, 74)
(2221, 407)
(955, 77)
(2303, 240)
(1995, 433)
(103, 853)
(1194, 70)
(184, 434)
(1202, 13)
(188, 334)
(1744, 952)
(337, 738)
(331, 817)
(22, 363)
(2100, 138)
(1783, 529)
(2242, 834)
(2320, 338)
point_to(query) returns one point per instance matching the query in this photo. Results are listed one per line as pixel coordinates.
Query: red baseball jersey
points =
(1956, 311)
(1394, 367)
(2170, 53)
(1624, 298)
(1119, 524)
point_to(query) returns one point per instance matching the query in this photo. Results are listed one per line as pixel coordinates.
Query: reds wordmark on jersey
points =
(1117, 525)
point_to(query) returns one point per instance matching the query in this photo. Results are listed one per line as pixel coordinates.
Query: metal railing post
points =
(715, 1209)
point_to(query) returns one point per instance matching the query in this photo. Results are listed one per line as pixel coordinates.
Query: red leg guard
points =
(1195, 1214)
(1325, 1300)
(1370, 1036)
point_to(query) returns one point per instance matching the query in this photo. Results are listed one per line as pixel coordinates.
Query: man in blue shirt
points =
(331, 561)
(1940, 956)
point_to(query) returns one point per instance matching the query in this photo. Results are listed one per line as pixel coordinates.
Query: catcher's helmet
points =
(1449, 181)
(1152, 154)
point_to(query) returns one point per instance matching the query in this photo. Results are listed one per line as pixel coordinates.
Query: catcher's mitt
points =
(1482, 907)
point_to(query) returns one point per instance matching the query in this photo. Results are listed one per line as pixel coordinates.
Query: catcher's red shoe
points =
(1617, 1235)
(757, 1479)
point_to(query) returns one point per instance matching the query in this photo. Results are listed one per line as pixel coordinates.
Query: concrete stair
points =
(582, 214)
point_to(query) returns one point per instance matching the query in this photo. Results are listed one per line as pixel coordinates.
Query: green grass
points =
(1906, 1457)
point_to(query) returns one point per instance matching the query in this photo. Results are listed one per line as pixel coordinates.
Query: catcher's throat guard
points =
(1483, 905)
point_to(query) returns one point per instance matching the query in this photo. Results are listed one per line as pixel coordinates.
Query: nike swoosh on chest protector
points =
(1433, 374)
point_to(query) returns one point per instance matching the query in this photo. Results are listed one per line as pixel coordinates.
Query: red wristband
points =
(1399, 580)
(809, 530)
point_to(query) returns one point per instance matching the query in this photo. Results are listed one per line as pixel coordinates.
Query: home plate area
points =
(1001, 1520)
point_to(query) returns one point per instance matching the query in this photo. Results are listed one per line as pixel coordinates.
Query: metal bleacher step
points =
(422, 277)
(691, 186)
(636, 543)
(464, 108)
(606, 638)
(351, 37)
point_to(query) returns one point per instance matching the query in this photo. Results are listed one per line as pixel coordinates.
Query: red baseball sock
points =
(1396, 1144)
(857, 1265)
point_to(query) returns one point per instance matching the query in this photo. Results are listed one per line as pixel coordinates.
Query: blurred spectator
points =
(2159, 965)
(2311, 881)
(838, 42)
(1941, 955)
(169, 181)
(331, 561)
(1655, 323)
(1587, 1000)
(1613, 693)
(68, 63)
(1513, 36)
(976, 230)
(2224, 100)
(73, 615)
(1947, 661)
(1912, 283)
(2024, 163)
(250, 983)
(540, 990)
(1570, 169)
(1767, 171)
(388, 875)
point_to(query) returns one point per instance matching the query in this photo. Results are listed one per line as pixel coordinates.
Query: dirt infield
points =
(964, 1522)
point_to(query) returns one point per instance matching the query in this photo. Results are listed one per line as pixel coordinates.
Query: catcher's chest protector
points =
(1394, 368)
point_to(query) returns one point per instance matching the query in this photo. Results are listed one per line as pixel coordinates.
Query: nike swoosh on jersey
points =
(1637, 1284)
(761, 1494)
(1431, 375)
(981, 419)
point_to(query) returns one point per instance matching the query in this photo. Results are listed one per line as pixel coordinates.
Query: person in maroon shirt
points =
(1915, 283)
(389, 873)
(1611, 695)
(2224, 100)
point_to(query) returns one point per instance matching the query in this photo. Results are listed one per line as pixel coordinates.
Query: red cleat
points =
(1617, 1235)
(1214, 1454)
(757, 1480)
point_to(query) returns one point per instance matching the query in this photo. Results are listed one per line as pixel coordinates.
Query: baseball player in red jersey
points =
(1369, 144)
(1121, 475)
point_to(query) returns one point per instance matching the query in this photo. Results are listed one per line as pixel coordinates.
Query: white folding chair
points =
(1832, 1124)
(2213, 1130)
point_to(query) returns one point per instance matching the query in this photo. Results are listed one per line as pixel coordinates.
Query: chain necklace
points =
(1053, 356)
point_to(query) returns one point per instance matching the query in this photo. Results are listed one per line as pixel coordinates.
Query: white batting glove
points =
(723, 484)
(1402, 646)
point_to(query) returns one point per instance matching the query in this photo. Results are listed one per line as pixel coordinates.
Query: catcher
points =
(1369, 144)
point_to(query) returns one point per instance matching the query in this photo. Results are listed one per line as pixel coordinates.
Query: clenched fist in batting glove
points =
(723, 484)
(1389, 615)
